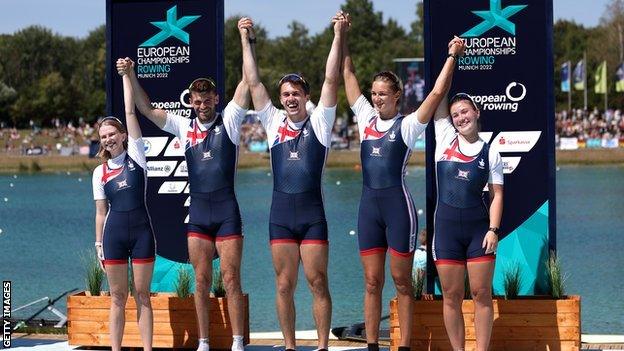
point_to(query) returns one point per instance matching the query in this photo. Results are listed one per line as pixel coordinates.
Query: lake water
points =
(47, 224)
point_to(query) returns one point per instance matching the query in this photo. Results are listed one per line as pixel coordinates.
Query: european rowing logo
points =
(463, 175)
(483, 50)
(154, 61)
(172, 27)
(496, 16)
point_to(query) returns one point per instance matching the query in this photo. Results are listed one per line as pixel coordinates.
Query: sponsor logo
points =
(174, 148)
(207, 155)
(481, 164)
(509, 101)
(131, 166)
(482, 51)
(305, 132)
(160, 168)
(155, 61)
(187, 202)
(294, 156)
(122, 184)
(510, 164)
(172, 187)
(462, 175)
(516, 141)
(217, 130)
(376, 152)
(182, 170)
(154, 145)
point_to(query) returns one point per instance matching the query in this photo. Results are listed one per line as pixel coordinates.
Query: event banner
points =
(171, 43)
(508, 69)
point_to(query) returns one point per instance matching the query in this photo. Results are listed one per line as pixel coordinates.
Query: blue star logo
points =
(172, 27)
(495, 17)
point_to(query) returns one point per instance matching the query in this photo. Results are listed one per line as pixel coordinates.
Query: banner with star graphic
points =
(172, 43)
(508, 70)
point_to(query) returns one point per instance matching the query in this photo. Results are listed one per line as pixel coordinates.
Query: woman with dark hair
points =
(465, 229)
(123, 228)
(387, 219)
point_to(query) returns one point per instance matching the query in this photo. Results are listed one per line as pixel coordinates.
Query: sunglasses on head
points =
(201, 85)
(295, 78)
(463, 96)
(111, 118)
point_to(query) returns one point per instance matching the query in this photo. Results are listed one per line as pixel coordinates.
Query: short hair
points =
(296, 79)
(389, 77)
(203, 85)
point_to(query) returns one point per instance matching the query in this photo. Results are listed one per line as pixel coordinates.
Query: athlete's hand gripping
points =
(456, 47)
(125, 66)
(245, 28)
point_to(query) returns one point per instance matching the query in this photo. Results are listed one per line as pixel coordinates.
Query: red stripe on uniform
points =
(284, 241)
(394, 252)
(115, 262)
(200, 236)
(488, 258)
(372, 251)
(143, 260)
(453, 262)
(229, 237)
(314, 242)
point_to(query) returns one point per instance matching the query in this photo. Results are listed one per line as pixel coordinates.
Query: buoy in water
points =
(352, 232)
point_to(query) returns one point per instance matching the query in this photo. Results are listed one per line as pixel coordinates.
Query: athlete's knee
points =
(119, 298)
(285, 287)
(231, 281)
(318, 285)
(403, 283)
(453, 295)
(142, 298)
(203, 282)
(374, 285)
(482, 294)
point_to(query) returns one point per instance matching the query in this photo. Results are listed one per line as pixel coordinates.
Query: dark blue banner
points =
(508, 69)
(171, 43)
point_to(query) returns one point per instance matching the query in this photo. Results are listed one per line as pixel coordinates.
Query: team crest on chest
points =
(392, 136)
(463, 175)
(207, 155)
(122, 184)
(294, 156)
(376, 151)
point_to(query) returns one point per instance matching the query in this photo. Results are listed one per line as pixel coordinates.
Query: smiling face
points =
(385, 98)
(465, 118)
(204, 105)
(293, 98)
(112, 139)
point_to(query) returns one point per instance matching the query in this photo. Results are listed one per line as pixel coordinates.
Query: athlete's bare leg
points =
(201, 252)
(286, 264)
(142, 273)
(314, 258)
(480, 274)
(117, 275)
(452, 279)
(401, 269)
(374, 276)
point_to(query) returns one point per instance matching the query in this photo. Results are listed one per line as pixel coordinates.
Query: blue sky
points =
(78, 17)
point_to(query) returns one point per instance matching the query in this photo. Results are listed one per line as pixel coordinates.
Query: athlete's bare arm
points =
(352, 87)
(142, 101)
(332, 67)
(259, 94)
(132, 123)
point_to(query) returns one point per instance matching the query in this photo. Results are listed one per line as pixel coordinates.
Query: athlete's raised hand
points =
(124, 66)
(340, 23)
(246, 29)
(456, 47)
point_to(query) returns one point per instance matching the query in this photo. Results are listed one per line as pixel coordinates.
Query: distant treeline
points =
(44, 75)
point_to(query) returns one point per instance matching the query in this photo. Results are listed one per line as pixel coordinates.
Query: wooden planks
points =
(525, 324)
(175, 323)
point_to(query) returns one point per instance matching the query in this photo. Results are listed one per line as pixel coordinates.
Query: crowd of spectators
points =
(72, 138)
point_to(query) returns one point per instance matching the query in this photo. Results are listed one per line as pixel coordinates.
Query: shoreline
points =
(337, 159)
